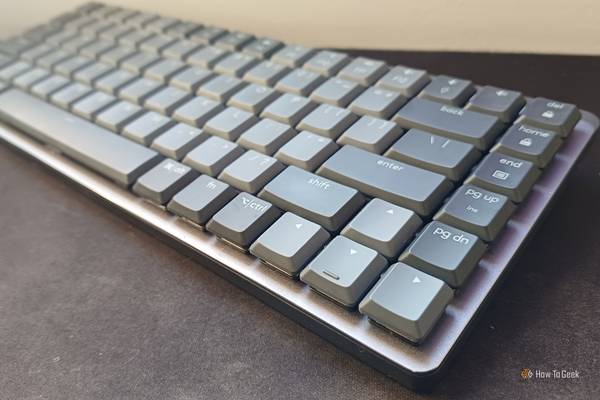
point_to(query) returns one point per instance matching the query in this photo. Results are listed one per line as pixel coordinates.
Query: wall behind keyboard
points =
(532, 26)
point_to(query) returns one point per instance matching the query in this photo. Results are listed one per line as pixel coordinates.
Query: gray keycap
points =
(289, 243)
(293, 55)
(337, 92)
(147, 127)
(266, 136)
(399, 183)
(116, 32)
(477, 211)
(504, 104)
(436, 153)
(406, 81)
(289, 109)
(36, 52)
(213, 155)
(221, 88)
(478, 129)
(90, 74)
(13, 70)
(320, 200)
(68, 95)
(181, 49)
(327, 120)
(139, 62)
(407, 301)
(208, 34)
(61, 37)
(167, 100)
(235, 64)
(229, 123)
(97, 48)
(372, 134)
(139, 90)
(234, 41)
(164, 70)
(157, 43)
(164, 180)
(300, 82)
(253, 98)
(504, 174)
(179, 140)
(529, 143)
(191, 78)
(206, 57)
(262, 48)
(251, 171)
(48, 86)
(266, 73)
(243, 219)
(448, 90)
(197, 111)
(363, 70)
(140, 19)
(383, 227)
(71, 65)
(445, 252)
(377, 102)
(327, 62)
(90, 106)
(201, 199)
(77, 43)
(183, 29)
(113, 81)
(306, 150)
(343, 271)
(161, 24)
(550, 114)
(118, 115)
(29, 78)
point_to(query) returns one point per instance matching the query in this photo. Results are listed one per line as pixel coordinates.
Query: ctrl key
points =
(406, 301)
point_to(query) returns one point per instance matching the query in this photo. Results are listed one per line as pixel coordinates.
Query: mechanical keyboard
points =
(377, 205)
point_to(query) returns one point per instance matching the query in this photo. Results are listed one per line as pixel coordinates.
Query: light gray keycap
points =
(529, 143)
(213, 155)
(163, 70)
(550, 114)
(116, 56)
(377, 102)
(156, 44)
(181, 49)
(62, 37)
(229, 123)
(206, 57)
(167, 100)
(327, 120)
(191, 78)
(104, 152)
(71, 65)
(253, 98)
(306, 150)
(406, 81)
(293, 55)
(262, 48)
(399, 183)
(36, 52)
(251, 171)
(266, 136)
(372, 134)
(13, 70)
(139, 62)
(289, 109)
(29, 78)
(116, 32)
(221, 88)
(504, 174)
(113, 81)
(502, 103)
(140, 19)
(327, 62)
(48, 86)
(77, 43)
(448, 90)
(289, 243)
(183, 29)
(208, 34)
(97, 28)
(300, 82)
(139, 90)
(478, 211)
(90, 74)
(197, 111)
(320, 200)
(243, 219)
(407, 301)
(383, 227)
(90, 106)
(363, 70)
(97, 48)
(472, 127)
(118, 115)
(179, 140)
(235, 64)
(234, 41)
(445, 252)
(163, 181)
(448, 157)
(343, 271)
(68, 95)
(147, 127)
(266, 73)
(201, 199)
(337, 92)
(161, 24)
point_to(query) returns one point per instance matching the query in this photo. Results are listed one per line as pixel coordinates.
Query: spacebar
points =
(99, 149)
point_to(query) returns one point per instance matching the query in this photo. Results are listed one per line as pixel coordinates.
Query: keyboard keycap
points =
(288, 109)
(327, 120)
(90, 106)
(90, 74)
(300, 82)
(377, 102)
(179, 140)
(504, 104)
(139, 62)
(139, 90)
(164, 70)
(229, 123)
(234, 41)
(306, 150)
(235, 64)
(262, 48)
(181, 49)
(30, 78)
(208, 34)
(253, 98)
(406, 81)
(251, 171)
(156, 44)
(448, 90)
(550, 114)
(167, 100)
(371, 134)
(326, 62)
(67, 96)
(213, 155)
(48, 86)
(337, 92)
(163, 181)
(363, 71)
(147, 127)
(197, 111)
(267, 136)
(221, 88)
(8, 73)
(113, 81)
(293, 56)
(118, 115)
(71, 65)
(266, 73)
(191, 78)
(206, 57)
(529, 143)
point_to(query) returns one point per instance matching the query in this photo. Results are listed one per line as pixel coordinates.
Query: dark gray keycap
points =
(235, 64)
(343, 271)
(179, 140)
(36, 52)
(478, 211)
(221, 88)
(289, 243)
(266, 136)
(68, 95)
(445, 252)
(406, 81)
(118, 115)
(377, 102)
(234, 41)
(327, 120)
(550, 114)
(27, 79)
(448, 157)
(229, 123)
(243, 219)
(478, 129)
(383, 227)
(191, 78)
(372, 134)
(164, 70)
(157, 43)
(181, 49)
(399, 183)
(201, 199)
(13, 70)
(289, 109)
(266, 73)
(306, 150)
(326, 62)
(49, 86)
(139, 62)
(104, 152)
(90, 74)
(363, 70)
(147, 127)
(300, 82)
(113, 81)
(90, 106)
(213, 155)
(448, 90)
(197, 111)
(504, 174)
(206, 57)
(407, 301)
(208, 34)
(139, 90)
(292, 55)
(183, 29)
(97, 48)
(164, 180)
(253, 98)
(262, 48)
(167, 100)
(502, 103)
(320, 200)
(251, 171)
(71, 65)
(529, 143)
(337, 92)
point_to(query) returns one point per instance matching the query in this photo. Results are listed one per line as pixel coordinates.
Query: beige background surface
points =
(539, 26)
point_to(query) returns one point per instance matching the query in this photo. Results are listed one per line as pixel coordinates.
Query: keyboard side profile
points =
(50, 134)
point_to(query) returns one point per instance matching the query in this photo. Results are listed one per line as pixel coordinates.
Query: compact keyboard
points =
(377, 205)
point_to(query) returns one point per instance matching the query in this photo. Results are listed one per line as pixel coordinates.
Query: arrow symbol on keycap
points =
(352, 252)
(390, 211)
(298, 226)
(416, 280)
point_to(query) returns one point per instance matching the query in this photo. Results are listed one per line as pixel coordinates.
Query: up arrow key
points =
(416, 280)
